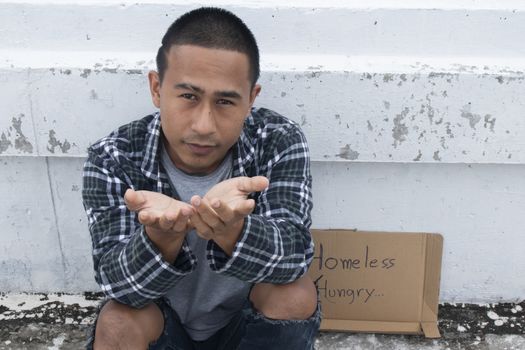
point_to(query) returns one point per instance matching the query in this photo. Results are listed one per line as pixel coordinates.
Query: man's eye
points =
(191, 97)
(224, 102)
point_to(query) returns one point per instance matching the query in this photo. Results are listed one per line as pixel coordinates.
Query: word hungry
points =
(348, 295)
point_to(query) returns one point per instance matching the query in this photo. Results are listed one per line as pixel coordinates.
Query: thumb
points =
(253, 184)
(246, 207)
(134, 199)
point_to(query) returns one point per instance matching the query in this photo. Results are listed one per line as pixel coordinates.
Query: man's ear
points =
(154, 87)
(256, 90)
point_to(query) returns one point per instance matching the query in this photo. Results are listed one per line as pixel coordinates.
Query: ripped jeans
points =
(248, 330)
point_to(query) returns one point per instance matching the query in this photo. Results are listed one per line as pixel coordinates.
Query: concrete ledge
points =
(366, 109)
(478, 28)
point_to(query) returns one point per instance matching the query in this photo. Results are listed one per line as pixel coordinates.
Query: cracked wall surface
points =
(471, 115)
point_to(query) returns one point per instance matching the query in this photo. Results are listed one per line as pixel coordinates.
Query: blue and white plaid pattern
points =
(275, 245)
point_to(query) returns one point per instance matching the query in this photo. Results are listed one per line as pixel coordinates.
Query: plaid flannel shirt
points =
(275, 244)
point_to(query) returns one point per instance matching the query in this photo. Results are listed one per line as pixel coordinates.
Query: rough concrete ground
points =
(57, 321)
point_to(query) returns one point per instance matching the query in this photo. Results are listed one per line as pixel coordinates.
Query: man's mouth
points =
(200, 149)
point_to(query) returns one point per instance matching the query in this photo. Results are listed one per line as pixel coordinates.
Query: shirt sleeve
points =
(275, 245)
(128, 266)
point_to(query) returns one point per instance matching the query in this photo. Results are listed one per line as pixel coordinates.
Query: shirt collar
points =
(150, 163)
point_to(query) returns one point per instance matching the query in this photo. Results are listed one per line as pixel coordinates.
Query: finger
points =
(190, 224)
(207, 214)
(223, 210)
(166, 223)
(134, 199)
(180, 209)
(245, 207)
(177, 219)
(253, 184)
(146, 218)
(181, 224)
(200, 226)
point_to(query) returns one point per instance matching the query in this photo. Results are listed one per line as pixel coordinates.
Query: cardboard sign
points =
(378, 281)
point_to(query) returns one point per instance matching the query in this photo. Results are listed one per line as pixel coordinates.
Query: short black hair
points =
(213, 28)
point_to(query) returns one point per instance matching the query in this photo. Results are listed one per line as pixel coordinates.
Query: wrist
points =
(167, 243)
(228, 241)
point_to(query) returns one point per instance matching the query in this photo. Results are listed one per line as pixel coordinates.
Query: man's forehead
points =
(208, 70)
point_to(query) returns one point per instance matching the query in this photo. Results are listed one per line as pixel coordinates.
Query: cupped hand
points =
(166, 220)
(219, 215)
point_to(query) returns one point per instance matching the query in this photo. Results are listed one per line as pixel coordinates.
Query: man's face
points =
(204, 98)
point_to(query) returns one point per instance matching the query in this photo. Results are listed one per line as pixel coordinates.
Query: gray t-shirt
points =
(204, 300)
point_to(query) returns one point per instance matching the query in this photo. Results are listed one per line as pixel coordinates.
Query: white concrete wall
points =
(415, 114)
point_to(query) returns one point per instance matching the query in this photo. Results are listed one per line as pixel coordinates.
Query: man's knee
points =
(292, 301)
(121, 326)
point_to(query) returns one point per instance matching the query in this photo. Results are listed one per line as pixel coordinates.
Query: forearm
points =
(267, 251)
(135, 272)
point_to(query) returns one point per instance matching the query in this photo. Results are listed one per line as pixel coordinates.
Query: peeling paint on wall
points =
(502, 79)
(400, 130)
(430, 109)
(4, 143)
(490, 121)
(472, 118)
(85, 73)
(447, 76)
(388, 77)
(449, 130)
(21, 141)
(418, 157)
(348, 153)
(53, 142)
(133, 71)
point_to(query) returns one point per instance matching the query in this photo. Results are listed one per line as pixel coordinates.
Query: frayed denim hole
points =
(256, 315)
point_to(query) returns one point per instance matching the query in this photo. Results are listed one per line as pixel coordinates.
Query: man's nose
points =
(203, 121)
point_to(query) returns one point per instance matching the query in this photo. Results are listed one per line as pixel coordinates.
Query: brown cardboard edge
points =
(371, 326)
(431, 287)
(430, 329)
(355, 230)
